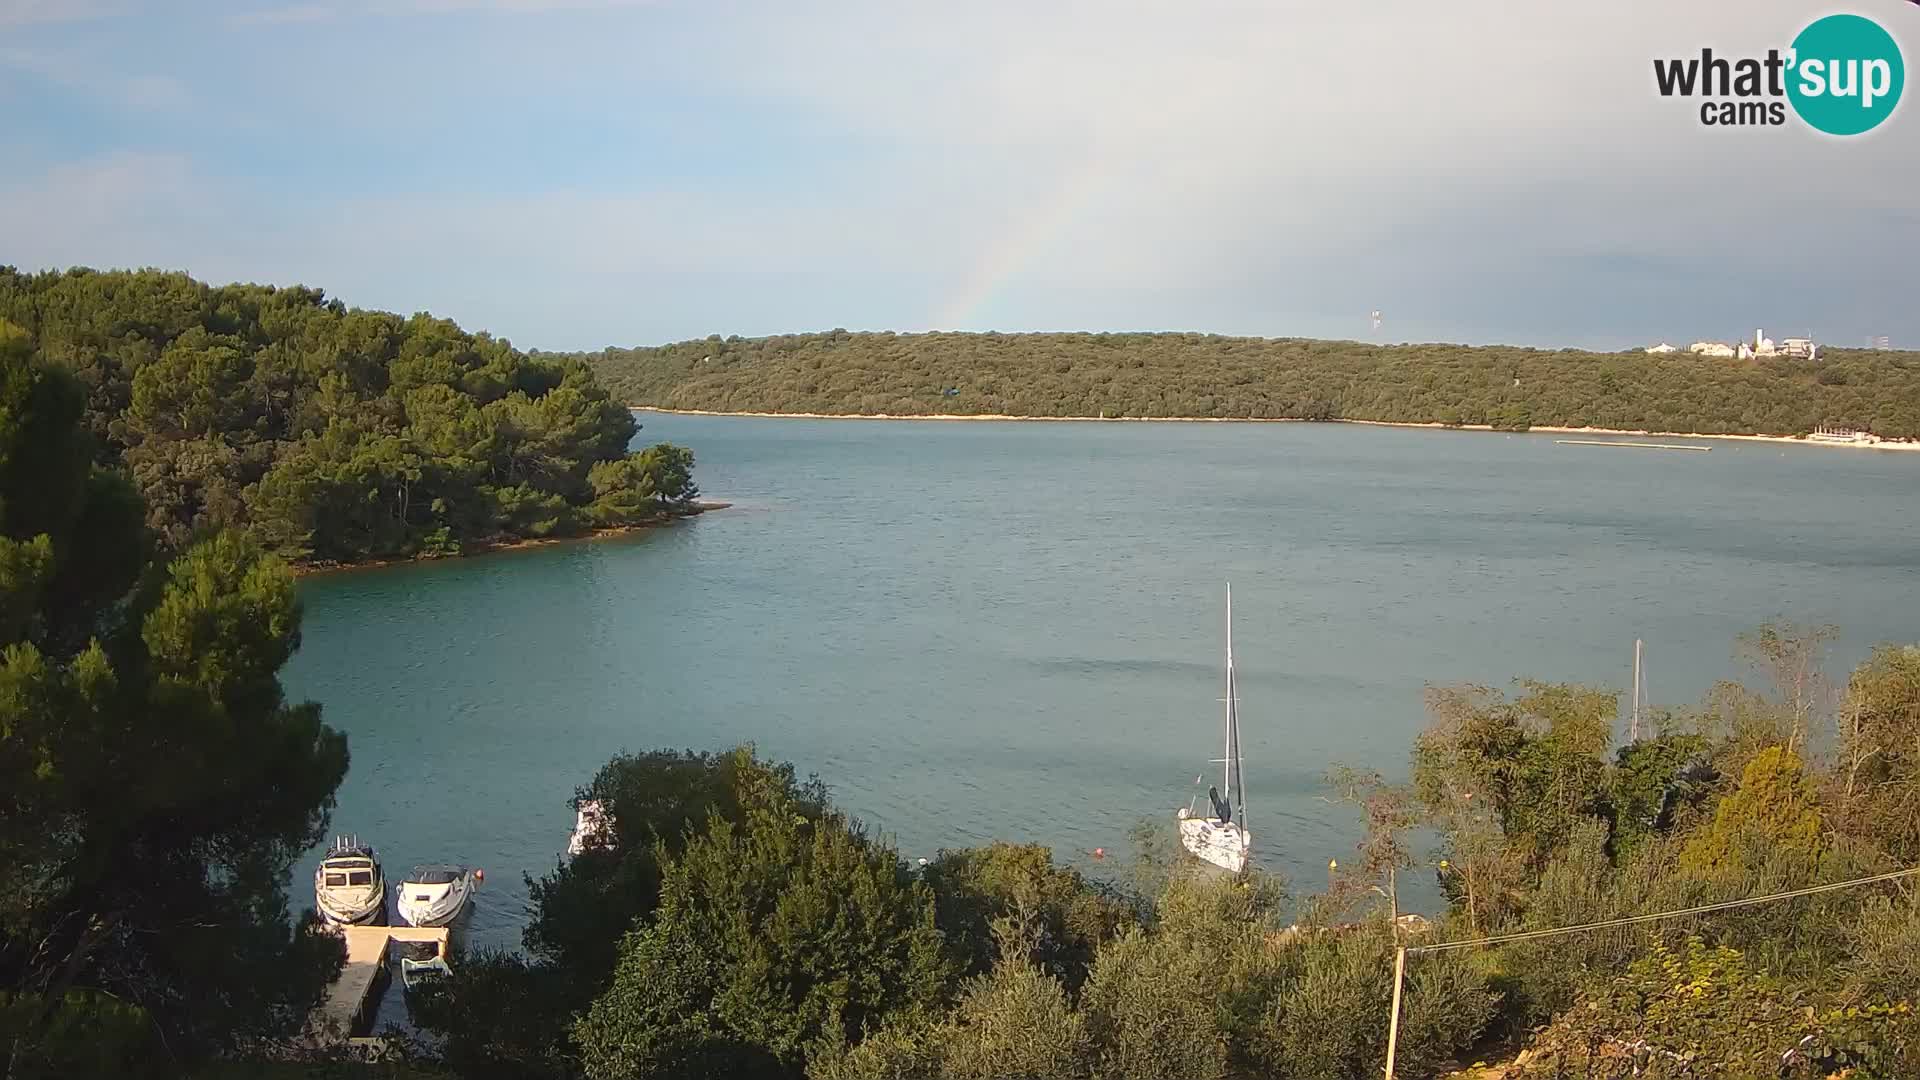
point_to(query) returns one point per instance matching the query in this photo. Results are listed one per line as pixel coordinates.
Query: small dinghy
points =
(347, 886)
(421, 962)
(434, 895)
(592, 829)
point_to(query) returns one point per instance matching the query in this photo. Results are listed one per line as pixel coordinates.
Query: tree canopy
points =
(155, 784)
(1208, 375)
(335, 434)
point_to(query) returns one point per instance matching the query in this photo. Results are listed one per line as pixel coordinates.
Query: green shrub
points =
(772, 938)
(1014, 1024)
(87, 1034)
(1150, 1006)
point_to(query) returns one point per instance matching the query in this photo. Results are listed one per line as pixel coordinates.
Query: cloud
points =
(25, 12)
(524, 6)
(92, 77)
(296, 13)
(1480, 171)
(107, 211)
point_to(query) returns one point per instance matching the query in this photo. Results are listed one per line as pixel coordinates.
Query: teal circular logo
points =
(1847, 74)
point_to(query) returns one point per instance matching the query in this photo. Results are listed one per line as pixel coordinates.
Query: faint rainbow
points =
(1016, 247)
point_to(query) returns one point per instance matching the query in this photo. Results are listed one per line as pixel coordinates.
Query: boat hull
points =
(341, 915)
(1221, 843)
(433, 905)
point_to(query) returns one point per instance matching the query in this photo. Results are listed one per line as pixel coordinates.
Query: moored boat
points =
(1220, 836)
(421, 962)
(592, 828)
(347, 885)
(434, 895)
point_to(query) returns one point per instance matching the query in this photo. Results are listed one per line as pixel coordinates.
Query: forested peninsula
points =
(1170, 375)
(333, 434)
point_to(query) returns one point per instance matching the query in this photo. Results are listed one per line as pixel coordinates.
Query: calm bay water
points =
(1013, 630)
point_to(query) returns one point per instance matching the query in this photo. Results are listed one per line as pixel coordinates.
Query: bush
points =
(1696, 1011)
(1151, 1013)
(1884, 950)
(772, 939)
(1331, 1021)
(502, 1018)
(1061, 917)
(87, 1034)
(1014, 1024)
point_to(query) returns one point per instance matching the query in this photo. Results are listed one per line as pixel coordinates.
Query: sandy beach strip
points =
(1537, 429)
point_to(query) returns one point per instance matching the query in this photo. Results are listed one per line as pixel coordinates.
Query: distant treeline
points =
(1206, 375)
(331, 433)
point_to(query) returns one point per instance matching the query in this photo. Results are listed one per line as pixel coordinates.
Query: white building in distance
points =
(1663, 347)
(1710, 348)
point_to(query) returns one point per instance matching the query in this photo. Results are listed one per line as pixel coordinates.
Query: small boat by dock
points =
(348, 889)
(421, 962)
(346, 1015)
(434, 895)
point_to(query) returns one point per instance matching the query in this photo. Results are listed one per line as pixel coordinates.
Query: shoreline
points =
(304, 570)
(1543, 429)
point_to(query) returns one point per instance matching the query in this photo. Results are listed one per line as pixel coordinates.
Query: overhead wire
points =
(1701, 909)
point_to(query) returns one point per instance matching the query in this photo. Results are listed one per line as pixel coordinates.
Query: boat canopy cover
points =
(1220, 808)
(434, 875)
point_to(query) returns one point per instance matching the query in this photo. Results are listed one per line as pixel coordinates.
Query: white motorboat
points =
(1221, 837)
(347, 885)
(592, 828)
(434, 895)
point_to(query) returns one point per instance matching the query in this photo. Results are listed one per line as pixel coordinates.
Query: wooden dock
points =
(1624, 442)
(352, 1000)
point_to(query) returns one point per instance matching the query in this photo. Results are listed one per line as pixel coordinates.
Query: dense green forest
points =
(333, 434)
(155, 784)
(739, 925)
(1206, 375)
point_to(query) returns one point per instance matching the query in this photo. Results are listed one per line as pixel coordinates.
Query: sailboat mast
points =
(1226, 758)
(1633, 733)
(1233, 723)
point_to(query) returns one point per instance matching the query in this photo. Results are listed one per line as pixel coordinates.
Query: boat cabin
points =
(349, 871)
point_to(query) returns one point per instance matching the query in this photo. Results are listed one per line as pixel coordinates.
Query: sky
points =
(573, 174)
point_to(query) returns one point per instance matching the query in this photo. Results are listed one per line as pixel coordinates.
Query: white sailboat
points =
(1221, 837)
